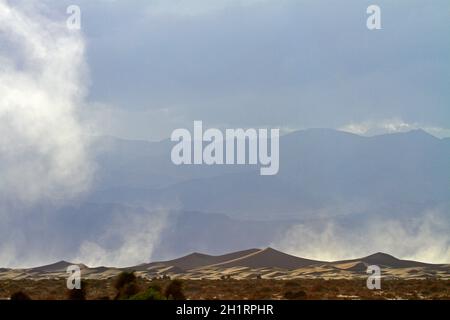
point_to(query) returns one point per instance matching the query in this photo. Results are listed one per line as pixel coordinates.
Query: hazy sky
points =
(159, 65)
(140, 69)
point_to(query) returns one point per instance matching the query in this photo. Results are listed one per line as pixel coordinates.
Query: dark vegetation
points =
(20, 295)
(129, 286)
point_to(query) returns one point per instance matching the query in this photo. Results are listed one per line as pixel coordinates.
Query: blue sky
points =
(159, 65)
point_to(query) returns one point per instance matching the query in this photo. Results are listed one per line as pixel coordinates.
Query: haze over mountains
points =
(319, 168)
(336, 195)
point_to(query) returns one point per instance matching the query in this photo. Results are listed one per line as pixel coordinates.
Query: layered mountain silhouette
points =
(268, 263)
(319, 169)
(326, 176)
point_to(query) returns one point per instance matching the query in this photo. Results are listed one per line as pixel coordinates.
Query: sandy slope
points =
(248, 264)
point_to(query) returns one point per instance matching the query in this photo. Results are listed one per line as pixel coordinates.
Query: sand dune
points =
(60, 266)
(196, 260)
(386, 260)
(268, 258)
(357, 266)
(248, 264)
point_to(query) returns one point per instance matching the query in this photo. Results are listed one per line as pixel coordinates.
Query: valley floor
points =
(53, 289)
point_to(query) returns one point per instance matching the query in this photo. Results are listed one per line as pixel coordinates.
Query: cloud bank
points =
(43, 150)
(422, 238)
(44, 156)
(137, 236)
(394, 125)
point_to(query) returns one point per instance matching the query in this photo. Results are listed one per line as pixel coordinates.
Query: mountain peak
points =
(421, 132)
(381, 255)
(57, 266)
(384, 259)
(268, 257)
(197, 255)
(414, 133)
(269, 250)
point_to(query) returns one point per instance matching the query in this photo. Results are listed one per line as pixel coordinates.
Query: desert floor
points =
(244, 289)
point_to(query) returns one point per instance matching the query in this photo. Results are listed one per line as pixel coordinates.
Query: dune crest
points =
(265, 263)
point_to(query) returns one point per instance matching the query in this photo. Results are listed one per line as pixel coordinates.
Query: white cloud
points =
(44, 155)
(42, 80)
(376, 127)
(393, 125)
(138, 236)
(424, 238)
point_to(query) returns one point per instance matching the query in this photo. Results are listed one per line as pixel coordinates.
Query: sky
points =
(159, 65)
(139, 70)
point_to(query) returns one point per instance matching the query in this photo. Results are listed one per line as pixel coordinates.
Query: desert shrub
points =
(152, 293)
(295, 295)
(128, 290)
(175, 290)
(125, 284)
(20, 295)
(123, 279)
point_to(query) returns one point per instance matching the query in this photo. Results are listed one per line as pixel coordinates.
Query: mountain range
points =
(319, 169)
(326, 177)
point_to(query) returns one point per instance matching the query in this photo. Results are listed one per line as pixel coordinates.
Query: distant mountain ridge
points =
(326, 177)
(319, 169)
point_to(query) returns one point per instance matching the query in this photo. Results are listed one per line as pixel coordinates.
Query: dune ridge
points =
(247, 264)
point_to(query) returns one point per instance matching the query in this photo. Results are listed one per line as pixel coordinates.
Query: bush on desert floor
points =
(49, 289)
(126, 286)
(295, 295)
(20, 295)
(124, 278)
(175, 290)
(152, 293)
